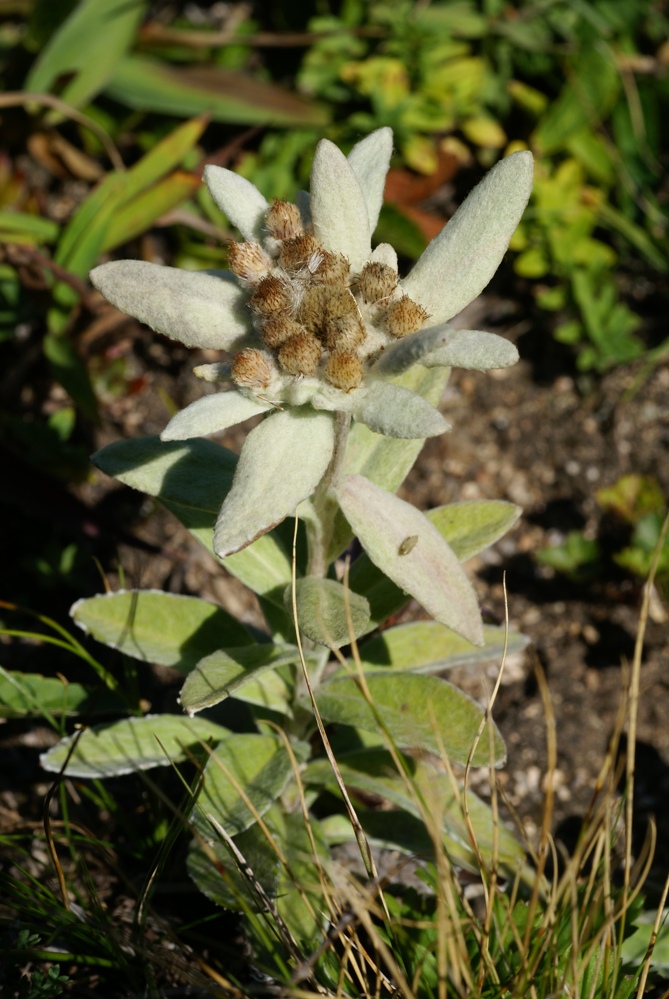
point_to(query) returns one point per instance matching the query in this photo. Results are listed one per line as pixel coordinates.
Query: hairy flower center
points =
(314, 315)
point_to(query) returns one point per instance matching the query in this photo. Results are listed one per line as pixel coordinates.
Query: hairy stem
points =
(320, 527)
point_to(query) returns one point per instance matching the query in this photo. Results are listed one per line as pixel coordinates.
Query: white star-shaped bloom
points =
(318, 323)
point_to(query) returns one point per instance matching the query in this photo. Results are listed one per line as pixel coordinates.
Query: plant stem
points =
(320, 527)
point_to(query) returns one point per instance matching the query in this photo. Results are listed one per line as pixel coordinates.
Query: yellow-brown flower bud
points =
(296, 253)
(270, 295)
(332, 268)
(279, 327)
(322, 303)
(344, 370)
(252, 368)
(344, 332)
(248, 261)
(376, 281)
(300, 354)
(403, 316)
(283, 220)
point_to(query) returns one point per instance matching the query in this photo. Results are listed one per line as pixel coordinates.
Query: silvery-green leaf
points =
(469, 526)
(219, 674)
(370, 160)
(166, 628)
(384, 253)
(396, 412)
(443, 346)
(418, 711)
(212, 413)
(386, 460)
(338, 207)
(327, 613)
(192, 479)
(429, 647)
(245, 769)
(460, 261)
(133, 744)
(197, 309)
(31, 695)
(428, 570)
(271, 689)
(281, 463)
(238, 199)
(373, 771)
(473, 349)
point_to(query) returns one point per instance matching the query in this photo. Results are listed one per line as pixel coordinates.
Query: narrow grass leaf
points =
(150, 85)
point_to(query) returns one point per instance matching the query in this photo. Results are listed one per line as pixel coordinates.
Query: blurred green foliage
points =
(637, 503)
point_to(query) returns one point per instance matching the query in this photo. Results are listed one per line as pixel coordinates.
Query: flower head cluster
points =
(318, 323)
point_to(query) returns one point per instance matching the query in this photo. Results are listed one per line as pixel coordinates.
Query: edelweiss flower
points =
(318, 322)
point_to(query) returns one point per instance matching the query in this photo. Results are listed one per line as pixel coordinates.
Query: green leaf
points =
(22, 227)
(468, 527)
(408, 549)
(133, 744)
(149, 85)
(422, 712)
(221, 673)
(164, 628)
(142, 212)
(588, 95)
(244, 770)
(28, 695)
(192, 479)
(87, 47)
(221, 881)
(69, 370)
(472, 525)
(386, 460)
(373, 772)
(429, 647)
(329, 614)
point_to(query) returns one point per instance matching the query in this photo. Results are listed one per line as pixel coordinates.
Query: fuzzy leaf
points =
(195, 308)
(164, 628)
(219, 674)
(338, 208)
(239, 200)
(397, 412)
(443, 346)
(269, 483)
(327, 614)
(210, 414)
(429, 647)
(460, 261)
(373, 771)
(468, 527)
(369, 160)
(133, 744)
(422, 712)
(257, 765)
(192, 480)
(298, 907)
(30, 695)
(429, 571)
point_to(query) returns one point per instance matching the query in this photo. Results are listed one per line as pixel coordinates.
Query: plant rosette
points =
(321, 329)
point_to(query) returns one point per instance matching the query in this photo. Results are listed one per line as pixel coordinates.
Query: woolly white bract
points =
(319, 324)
